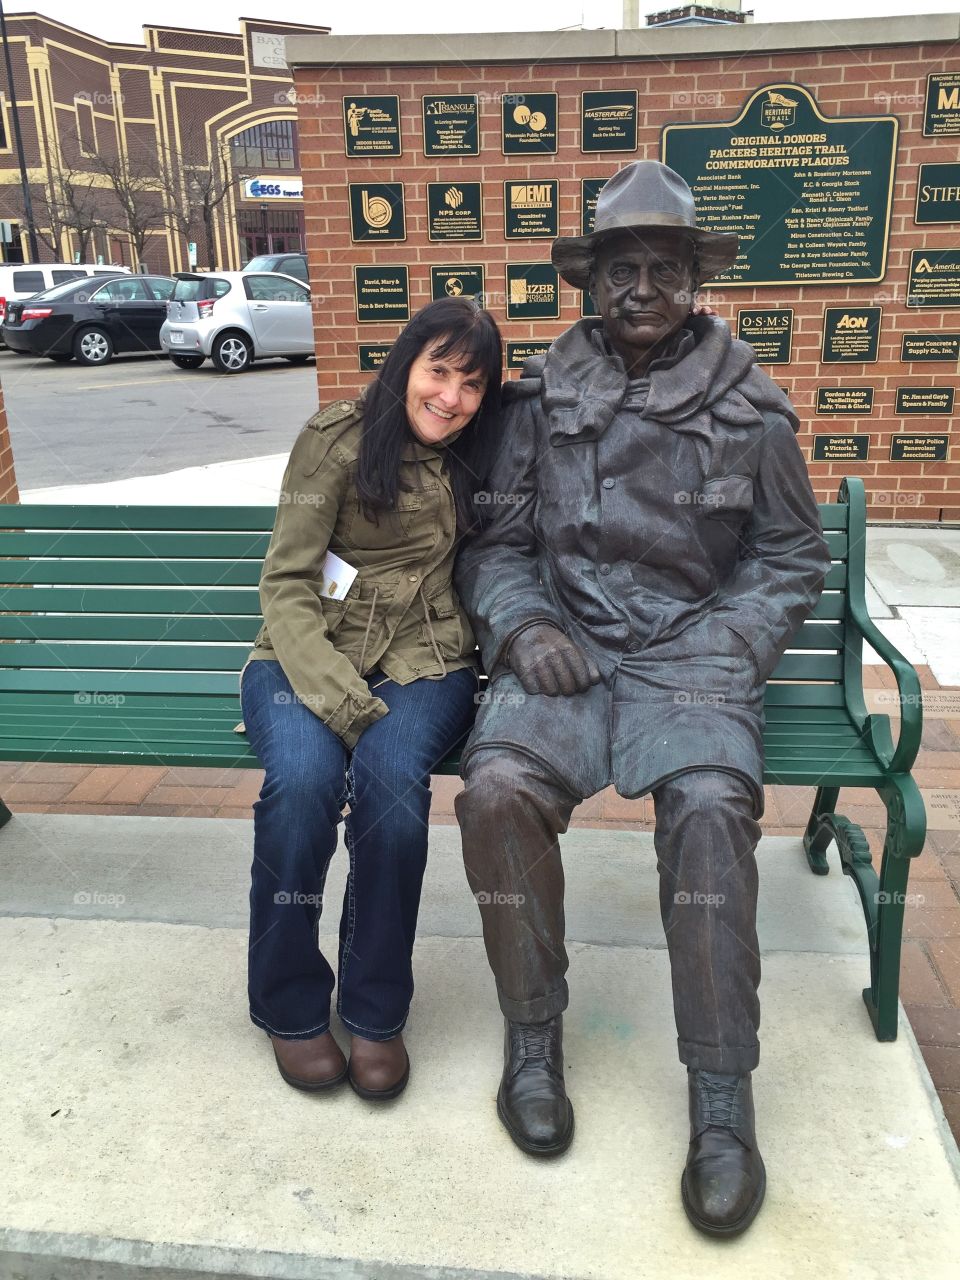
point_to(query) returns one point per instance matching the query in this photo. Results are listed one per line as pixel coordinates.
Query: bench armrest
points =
(876, 727)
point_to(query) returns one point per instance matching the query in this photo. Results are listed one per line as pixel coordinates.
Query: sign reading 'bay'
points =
(808, 196)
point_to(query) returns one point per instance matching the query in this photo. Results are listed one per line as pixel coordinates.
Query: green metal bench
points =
(123, 629)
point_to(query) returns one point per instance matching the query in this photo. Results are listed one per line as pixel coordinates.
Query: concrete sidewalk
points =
(149, 1135)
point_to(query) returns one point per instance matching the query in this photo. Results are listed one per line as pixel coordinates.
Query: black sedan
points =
(90, 319)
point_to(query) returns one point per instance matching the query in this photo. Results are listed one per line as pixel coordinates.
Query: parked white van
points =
(24, 279)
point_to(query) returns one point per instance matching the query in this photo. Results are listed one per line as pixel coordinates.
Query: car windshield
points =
(268, 262)
(71, 287)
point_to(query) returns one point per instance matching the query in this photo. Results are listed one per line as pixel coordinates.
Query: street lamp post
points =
(24, 183)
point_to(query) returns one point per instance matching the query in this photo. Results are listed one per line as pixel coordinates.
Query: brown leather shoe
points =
(379, 1069)
(314, 1064)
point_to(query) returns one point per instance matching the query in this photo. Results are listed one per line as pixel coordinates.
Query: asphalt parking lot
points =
(140, 416)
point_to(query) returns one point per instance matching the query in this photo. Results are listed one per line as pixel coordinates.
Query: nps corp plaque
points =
(590, 188)
(371, 125)
(372, 355)
(376, 211)
(808, 196)
(460, 280)
(917, 447)
(769, 331)
(530, 209)
(382, 294)
(533, 291)
(451, 124)
(934, 278)
(851, 335)
(927, 401)
(938, 194)
(528, 124)
(608, 120)
(454, 211)
(941, 117)
(840, 400)
(932, 347)
(837, 448)
(519, 352)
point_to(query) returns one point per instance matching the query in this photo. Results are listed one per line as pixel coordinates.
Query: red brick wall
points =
(843, 82)
(8, 478)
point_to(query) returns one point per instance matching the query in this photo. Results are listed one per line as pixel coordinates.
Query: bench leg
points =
(5, 814)
(819, 833)
(906, 829)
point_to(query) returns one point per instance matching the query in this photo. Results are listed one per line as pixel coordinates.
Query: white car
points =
(19, 280)
(236, 317)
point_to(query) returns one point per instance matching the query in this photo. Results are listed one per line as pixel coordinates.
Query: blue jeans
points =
(309, 776)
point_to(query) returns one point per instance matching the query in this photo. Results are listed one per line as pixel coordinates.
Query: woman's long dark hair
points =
(452, 328)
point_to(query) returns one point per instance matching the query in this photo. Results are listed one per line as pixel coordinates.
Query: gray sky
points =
(123, 19)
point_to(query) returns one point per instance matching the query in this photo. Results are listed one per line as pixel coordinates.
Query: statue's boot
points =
(532, 1102)
(724, 1180)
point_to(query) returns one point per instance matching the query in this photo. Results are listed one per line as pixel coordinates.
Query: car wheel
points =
(187, 362)
(93, 346)
(61, 357)
(19, 353)
(297, 359)
(232, 353)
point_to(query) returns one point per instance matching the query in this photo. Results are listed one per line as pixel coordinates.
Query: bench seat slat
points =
(242, 545)
(159, 627)
(139, 573)
(198, 682)
(234, 601)
(42, 515)
(834, 515)
(808, 666)
(836, 544)
(140, 657)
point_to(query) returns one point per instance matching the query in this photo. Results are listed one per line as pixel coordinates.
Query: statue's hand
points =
(702, 309)
(545, 661)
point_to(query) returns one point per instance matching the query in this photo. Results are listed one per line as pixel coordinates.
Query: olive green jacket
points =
(401, 614)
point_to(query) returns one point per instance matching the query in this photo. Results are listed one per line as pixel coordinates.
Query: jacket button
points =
(412, 577)
(604, 569)
(608, 483)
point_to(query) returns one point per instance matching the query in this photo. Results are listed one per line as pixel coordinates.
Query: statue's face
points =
(643, 289)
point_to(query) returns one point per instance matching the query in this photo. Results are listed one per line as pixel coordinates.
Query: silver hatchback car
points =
(236, 317)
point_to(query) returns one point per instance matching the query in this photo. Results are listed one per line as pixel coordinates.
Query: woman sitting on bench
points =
(365, 680)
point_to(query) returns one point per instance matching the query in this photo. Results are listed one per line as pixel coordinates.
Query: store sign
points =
(533, 291)
(371, 125)
(382, 294)
(924, 400)
(273, 189)
(840, 400)
(938, 193)
(461, 280)
(941, 119)
(454, 211)
(529, 124)
(934, 278)
(851, 335)
(933, 347)
(769, 332)
(450, 124)
(840, 448)
(268, 50)
(530, 210)
(608, 120)
(919, 448)
(808, 196)
(376, 211)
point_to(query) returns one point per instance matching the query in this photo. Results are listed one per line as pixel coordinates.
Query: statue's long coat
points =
(648, 519)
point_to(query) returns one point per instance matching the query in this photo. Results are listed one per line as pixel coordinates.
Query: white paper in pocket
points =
(338, 577)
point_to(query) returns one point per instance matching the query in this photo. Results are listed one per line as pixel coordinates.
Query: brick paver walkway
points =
(930, 981)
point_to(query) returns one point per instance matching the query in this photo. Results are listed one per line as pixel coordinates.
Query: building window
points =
(271, 147)
(86, 127)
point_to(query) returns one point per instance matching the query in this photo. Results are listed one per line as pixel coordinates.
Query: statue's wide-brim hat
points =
(644, 196)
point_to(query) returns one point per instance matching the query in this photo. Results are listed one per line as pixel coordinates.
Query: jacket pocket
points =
(444, 622)
(727, 496)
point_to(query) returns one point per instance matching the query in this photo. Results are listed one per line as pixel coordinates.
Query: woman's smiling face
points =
(441, 398)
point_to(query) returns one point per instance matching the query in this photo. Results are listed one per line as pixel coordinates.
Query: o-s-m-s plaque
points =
(451, 124)
(382, 294)
(371, 125)
(808, 196)
(529, 124)
(608, 120)
(769, 331)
